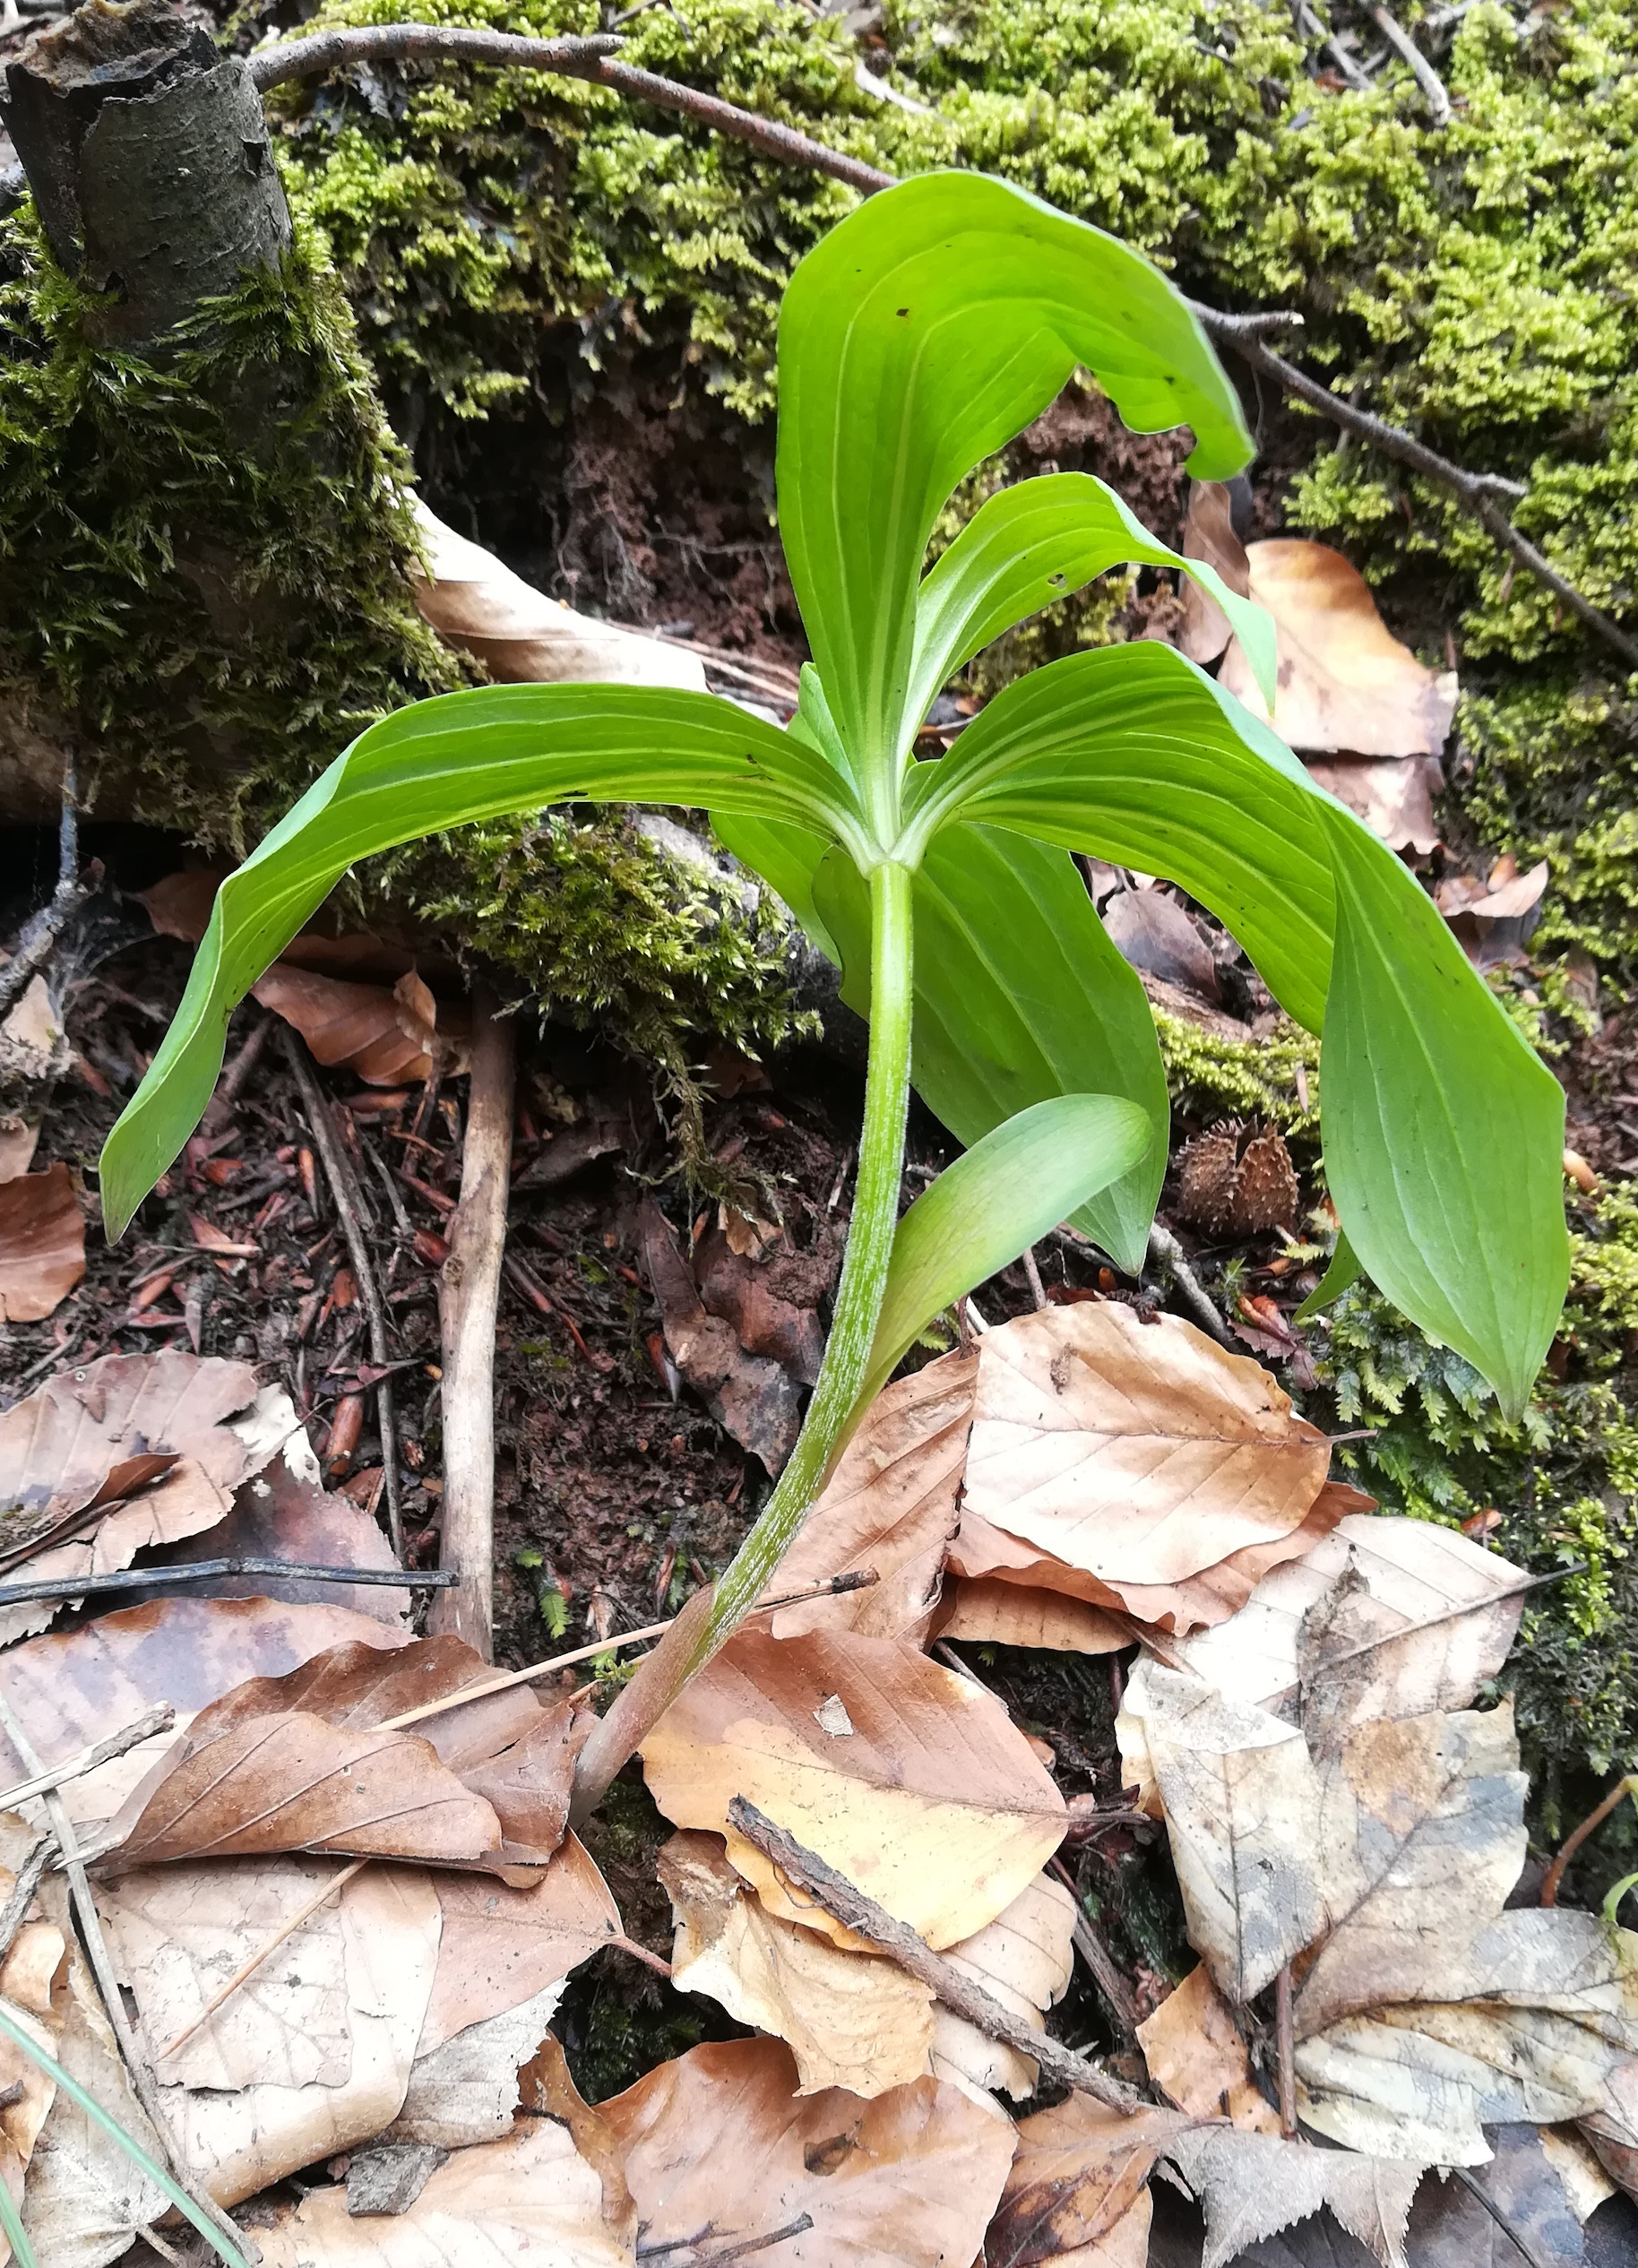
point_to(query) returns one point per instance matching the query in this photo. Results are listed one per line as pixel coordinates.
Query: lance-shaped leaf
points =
(995, 1202)
(441, 763)
(916, 339)
(1035, 543)
(1434, 1102)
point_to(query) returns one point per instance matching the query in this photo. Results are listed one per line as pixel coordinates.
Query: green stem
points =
(835, 1408)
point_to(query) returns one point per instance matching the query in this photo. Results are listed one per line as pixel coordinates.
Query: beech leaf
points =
(1253, 2185)
(1077, 2192)
(1024, 1959)
(1197, 2056)
(42, 1244)
(387, 1036)
(1011, 1614)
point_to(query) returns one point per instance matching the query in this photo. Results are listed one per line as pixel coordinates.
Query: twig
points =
(157, 1719)
(248, 1969)
(1522, 2245)
(1426, 77)
(1309, 24)
(1285, 2052)
(178, 1578)
(849, 1905)
(742, 2250)
(1553, 1878)
(654, 1961)
(107, 1984)
(1119, 1996)
(469, 1301)
(22, 1893)
(1032, 1277)
(39, 932)
(349, 1210)
(1164, 1247)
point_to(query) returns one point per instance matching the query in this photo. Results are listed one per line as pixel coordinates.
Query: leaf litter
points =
(345, 1938)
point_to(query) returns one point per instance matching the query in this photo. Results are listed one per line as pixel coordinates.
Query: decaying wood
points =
(39, 933)
(80, 1586)
(158, 1718)
(806, 1871)
(468, 1303)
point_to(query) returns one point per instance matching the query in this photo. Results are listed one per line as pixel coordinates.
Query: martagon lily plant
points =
(924, 333)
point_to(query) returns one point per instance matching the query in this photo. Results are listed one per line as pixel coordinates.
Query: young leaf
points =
(918, 337)
(994, 1202)
(470, 756)
(1343, 1270)
(1035, 543)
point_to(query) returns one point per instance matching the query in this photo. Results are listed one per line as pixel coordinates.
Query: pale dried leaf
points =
(42, 1244)
(389, 1036)
(18, 1142)
(33, 1985)
(1197, 2057)
(1140, 1453)
(1612, 2130)
(1345, 684)
(520, 635)
(1252, 2186)
(180, 905)
(33, 1044)
(852, 2020)
(238, 2142)
(1011, 1614)
(466, 2090)
(720, 2150)
(1451, 2228)
(1208, 534)
(75, 1688)
(1527, 2016)
(1415, 1574)
(1241, 1798)
(502, 1944)
(935, 1804)
(891, 1504)
(1574, 2159)
(1024, 1959)
(1152, 932)
(1077, 2192)
(1393, 795)
(529, 2201)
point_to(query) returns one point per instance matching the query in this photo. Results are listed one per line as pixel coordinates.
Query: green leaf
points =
(470, 756)
(1444, 1131)
(921, 335)
(15, 2234)
(1030, 545)
(786, 859)
(995, 1202)
(1343, 1270)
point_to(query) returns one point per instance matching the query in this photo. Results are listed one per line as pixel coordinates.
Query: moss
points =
(1210, 1077)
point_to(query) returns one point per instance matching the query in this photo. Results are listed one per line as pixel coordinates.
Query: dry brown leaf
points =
(1346, 685)
(238, 2142)
(520, 635)
(180, 907)
(1014, 1614)
(501, 1945)
(720, 2150)
(1451, 2228)
(1612, 2130)
(1494, 918)
(107, 1423)
(1208, 534)
(1152, 931)
(890, 1505)
(1197, 2057)
(529, 2202)
(307, 1762)
(33, 1985)
(548, 2091)
(1078, 2190)
(1393, 795)
(757, 1401)
(1024, 1959)
(746, 1278)
(1253, 2185)
(1421, 1656)
(851, 2019)
(1140, 1453)
(42, 1244)
(909, 1779)
(387, 1036)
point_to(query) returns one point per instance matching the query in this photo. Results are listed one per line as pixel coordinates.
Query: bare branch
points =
(1426, 77)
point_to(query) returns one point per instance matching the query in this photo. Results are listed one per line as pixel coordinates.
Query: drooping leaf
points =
(1030, 545)
(438, 765)
(920, 335)
(994, 1202)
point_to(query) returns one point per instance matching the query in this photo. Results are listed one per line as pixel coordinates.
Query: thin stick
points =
(661, 1968)
(248, 1969)
(1032, 1277)
(349, 1209)
(107, 1985)
(1164, 1247)
(1553, 1878)
(178, 1578)
(157, 1719)
(849, 1905)
(22, 1893)
(1106, 1973)
(1285, 2052)
(469, 1301)
(1446, 1614)
(39, 933)
(1426, 77)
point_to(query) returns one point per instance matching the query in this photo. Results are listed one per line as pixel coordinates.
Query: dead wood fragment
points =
(469, 1301)
(150, 1579)
(854, 1911)
(158, 1718)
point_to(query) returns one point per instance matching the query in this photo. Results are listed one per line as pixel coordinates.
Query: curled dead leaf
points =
(1077, 2193)
(42, 1244)
(386, 1037)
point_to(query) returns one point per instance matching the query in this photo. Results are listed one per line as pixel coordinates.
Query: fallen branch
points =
(199, 1570)
(849, 1905)
(157, 1719)
(1426, 77)
(468, 1302)
(1164, 1247)
(350, 1211)
(22, 1893)
(1554, 1877)
(40, 932)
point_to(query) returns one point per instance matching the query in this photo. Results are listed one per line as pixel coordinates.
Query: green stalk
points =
(16, 2235)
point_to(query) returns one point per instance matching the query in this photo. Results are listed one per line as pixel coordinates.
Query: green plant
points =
(920, 336)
